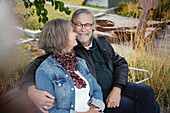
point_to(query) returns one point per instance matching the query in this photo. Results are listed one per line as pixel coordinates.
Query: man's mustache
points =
(83, 33)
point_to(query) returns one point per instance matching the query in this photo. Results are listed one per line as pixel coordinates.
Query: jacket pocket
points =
(61, 92)
(60, 81)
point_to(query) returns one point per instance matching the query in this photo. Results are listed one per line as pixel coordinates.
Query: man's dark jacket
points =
(115, 63)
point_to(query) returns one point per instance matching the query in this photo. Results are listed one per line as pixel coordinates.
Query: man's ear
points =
(93, 28)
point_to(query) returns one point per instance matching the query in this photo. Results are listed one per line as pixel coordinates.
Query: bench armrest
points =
(143, 70)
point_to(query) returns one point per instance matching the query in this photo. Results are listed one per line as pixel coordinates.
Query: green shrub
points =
(164, 6)
(131, 10)
(120, 7)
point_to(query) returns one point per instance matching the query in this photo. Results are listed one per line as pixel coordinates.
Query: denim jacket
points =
(53, 78)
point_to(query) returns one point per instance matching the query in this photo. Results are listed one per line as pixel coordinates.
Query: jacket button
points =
(66, 75)
(72, 106)
(72, 89)
(59, 84)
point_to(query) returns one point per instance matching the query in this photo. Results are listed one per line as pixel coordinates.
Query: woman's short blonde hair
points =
(54, 36)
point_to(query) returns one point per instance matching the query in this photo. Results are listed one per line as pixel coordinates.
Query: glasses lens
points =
(88, 26)
(78, 26)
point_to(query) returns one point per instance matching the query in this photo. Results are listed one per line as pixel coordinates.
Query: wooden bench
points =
(17, 101)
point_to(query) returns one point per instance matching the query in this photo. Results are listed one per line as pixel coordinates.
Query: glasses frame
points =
(83, 25)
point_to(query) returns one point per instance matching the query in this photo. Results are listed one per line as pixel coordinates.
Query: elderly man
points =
(109, 69)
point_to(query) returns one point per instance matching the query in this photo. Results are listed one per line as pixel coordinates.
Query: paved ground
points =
(162, 42)
(121, 21)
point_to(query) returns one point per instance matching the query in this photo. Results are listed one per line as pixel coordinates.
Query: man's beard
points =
(83, 34)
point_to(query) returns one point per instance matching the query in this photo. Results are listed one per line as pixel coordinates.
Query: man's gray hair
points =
(54, 36)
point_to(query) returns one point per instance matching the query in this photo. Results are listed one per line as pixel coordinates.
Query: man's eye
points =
(88, 25)
(78, 24)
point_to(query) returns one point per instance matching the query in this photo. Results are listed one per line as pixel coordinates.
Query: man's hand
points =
(113, 100)
(41, 98)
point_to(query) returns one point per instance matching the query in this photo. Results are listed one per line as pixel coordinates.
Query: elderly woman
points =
(63, 74)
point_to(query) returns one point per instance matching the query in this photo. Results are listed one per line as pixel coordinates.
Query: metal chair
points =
(142, 70)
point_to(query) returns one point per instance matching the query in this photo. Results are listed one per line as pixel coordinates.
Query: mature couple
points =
(64, 79)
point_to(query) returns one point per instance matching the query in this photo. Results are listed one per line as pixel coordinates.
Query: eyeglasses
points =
(80, 26)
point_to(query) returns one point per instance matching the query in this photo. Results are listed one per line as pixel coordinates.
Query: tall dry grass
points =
(153, 56)
(11, 72)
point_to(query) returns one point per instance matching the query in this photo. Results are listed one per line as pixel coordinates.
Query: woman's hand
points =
(113, 100)
(94, 110)
(41, 98)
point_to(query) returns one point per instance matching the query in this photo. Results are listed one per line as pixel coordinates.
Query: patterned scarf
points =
(69, 62)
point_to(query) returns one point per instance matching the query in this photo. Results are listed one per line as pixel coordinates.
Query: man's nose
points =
(83, 28)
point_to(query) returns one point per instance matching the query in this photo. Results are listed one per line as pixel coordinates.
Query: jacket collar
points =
(53, 61)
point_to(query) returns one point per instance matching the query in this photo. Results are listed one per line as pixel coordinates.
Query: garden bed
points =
(12, 73)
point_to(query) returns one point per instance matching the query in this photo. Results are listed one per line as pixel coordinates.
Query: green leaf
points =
(56, 7)
(26, 4)
(42, 6)
(28, 14)
(45, 19)
(57, 3)
(38, 12)
(45, 12)
(67, 8)
(61, 4)
(39, 20)
(52, 2)
(33, 11)
(68, 12)
(40, 2)
(35, 2)
(61, 8)
(31, 4)
(43, 1)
